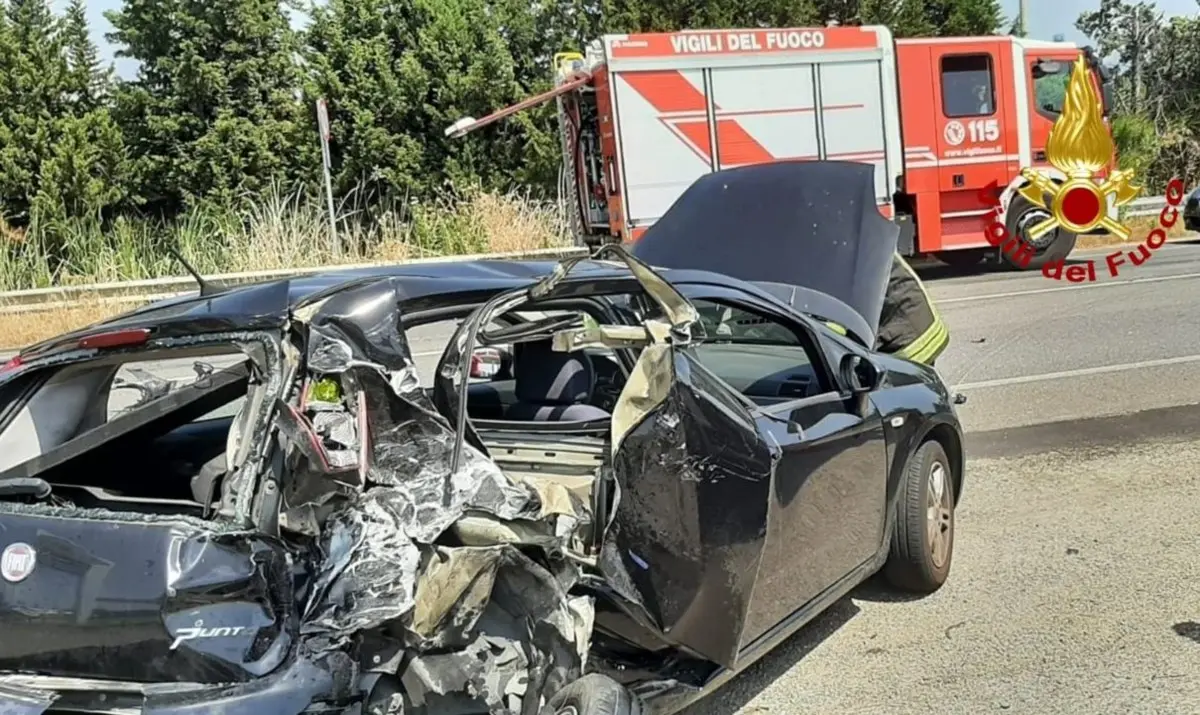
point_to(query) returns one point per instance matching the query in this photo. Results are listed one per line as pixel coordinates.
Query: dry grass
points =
(292, 234)
(1139, 226)
(19, 329)
(275, 231)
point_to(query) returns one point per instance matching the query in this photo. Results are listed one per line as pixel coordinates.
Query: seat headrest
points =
(546, 377)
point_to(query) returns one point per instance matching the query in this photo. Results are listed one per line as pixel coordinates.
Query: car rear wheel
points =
(592, 694)
(923, 529)
(1053, 246)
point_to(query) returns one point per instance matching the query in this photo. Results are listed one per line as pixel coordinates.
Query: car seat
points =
(553, 386)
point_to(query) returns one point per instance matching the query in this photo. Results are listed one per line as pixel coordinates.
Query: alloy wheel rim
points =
(938, 515)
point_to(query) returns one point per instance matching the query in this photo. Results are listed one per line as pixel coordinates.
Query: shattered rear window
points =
(139, 382)
(78, 399)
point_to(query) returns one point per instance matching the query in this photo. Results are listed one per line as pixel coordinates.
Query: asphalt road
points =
(1076, 586)
(1028, 350)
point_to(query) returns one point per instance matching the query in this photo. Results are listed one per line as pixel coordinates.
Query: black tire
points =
(593, 694)
(912, 564)
(1055, 246)
(968, 258)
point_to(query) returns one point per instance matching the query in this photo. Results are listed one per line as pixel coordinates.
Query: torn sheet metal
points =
(372, 545)
(360, 327)
(513, 629)
(486, 624)
(322, 455)
(412, 452)
(22, 701)
(367, 572)
(645, 390)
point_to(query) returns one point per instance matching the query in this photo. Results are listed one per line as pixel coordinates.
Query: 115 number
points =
(984, 130)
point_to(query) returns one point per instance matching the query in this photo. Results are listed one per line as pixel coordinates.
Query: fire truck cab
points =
(976, 111)
(942, 120)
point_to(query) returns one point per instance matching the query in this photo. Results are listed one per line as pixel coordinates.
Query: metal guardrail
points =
(1148, 206)
(143, 291)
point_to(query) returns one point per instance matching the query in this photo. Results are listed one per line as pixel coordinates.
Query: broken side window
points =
(132, 429)
(142, 381)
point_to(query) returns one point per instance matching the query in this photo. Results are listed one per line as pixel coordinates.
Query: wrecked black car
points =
(668, 472)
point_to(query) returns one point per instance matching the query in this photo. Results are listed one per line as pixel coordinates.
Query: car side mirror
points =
(491, 363)
(859, 374)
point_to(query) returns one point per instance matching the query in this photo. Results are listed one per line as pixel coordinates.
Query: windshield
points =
(730, 324)
(1050, 79)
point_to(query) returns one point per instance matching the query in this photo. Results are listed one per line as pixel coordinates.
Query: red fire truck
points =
(645, 115)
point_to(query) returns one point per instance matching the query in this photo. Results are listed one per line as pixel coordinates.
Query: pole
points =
(1024, 27)
(326, 163)
(1136, 60)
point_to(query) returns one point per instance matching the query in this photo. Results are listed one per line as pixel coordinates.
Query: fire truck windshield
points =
(1050, 85)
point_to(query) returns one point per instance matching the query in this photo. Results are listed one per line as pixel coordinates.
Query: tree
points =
(964, 18)
(32, 74)
(60, 152)
(214, 111)
(533, 34)
(1156, 123)
(906, 18)
(668, 15)
(1127, 32)
(396, 73)
(88, 80)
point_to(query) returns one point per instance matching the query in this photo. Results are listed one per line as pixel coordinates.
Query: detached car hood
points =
(812, 225)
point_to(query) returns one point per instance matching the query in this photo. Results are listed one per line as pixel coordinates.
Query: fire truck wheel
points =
(963, 259)
(1054, 246)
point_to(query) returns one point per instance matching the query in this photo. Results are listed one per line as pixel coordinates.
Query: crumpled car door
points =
(694, 478)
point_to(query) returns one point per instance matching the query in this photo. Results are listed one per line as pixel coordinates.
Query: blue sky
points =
(1046, 19)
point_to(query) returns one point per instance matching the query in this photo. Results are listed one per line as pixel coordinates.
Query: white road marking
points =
(1059, 289)
(1081, 372)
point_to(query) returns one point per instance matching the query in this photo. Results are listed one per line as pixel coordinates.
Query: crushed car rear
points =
(276, 559)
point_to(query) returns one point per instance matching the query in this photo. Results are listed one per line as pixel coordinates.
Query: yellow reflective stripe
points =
(922, 344)
(929, 345)
(835, 327)
(924, 339)
(935, 347)
(933, 341)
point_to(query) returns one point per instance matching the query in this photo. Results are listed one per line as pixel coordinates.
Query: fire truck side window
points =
(1049, 88)
(968, 89)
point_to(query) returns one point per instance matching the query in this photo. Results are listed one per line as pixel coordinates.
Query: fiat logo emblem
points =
(17, 562)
